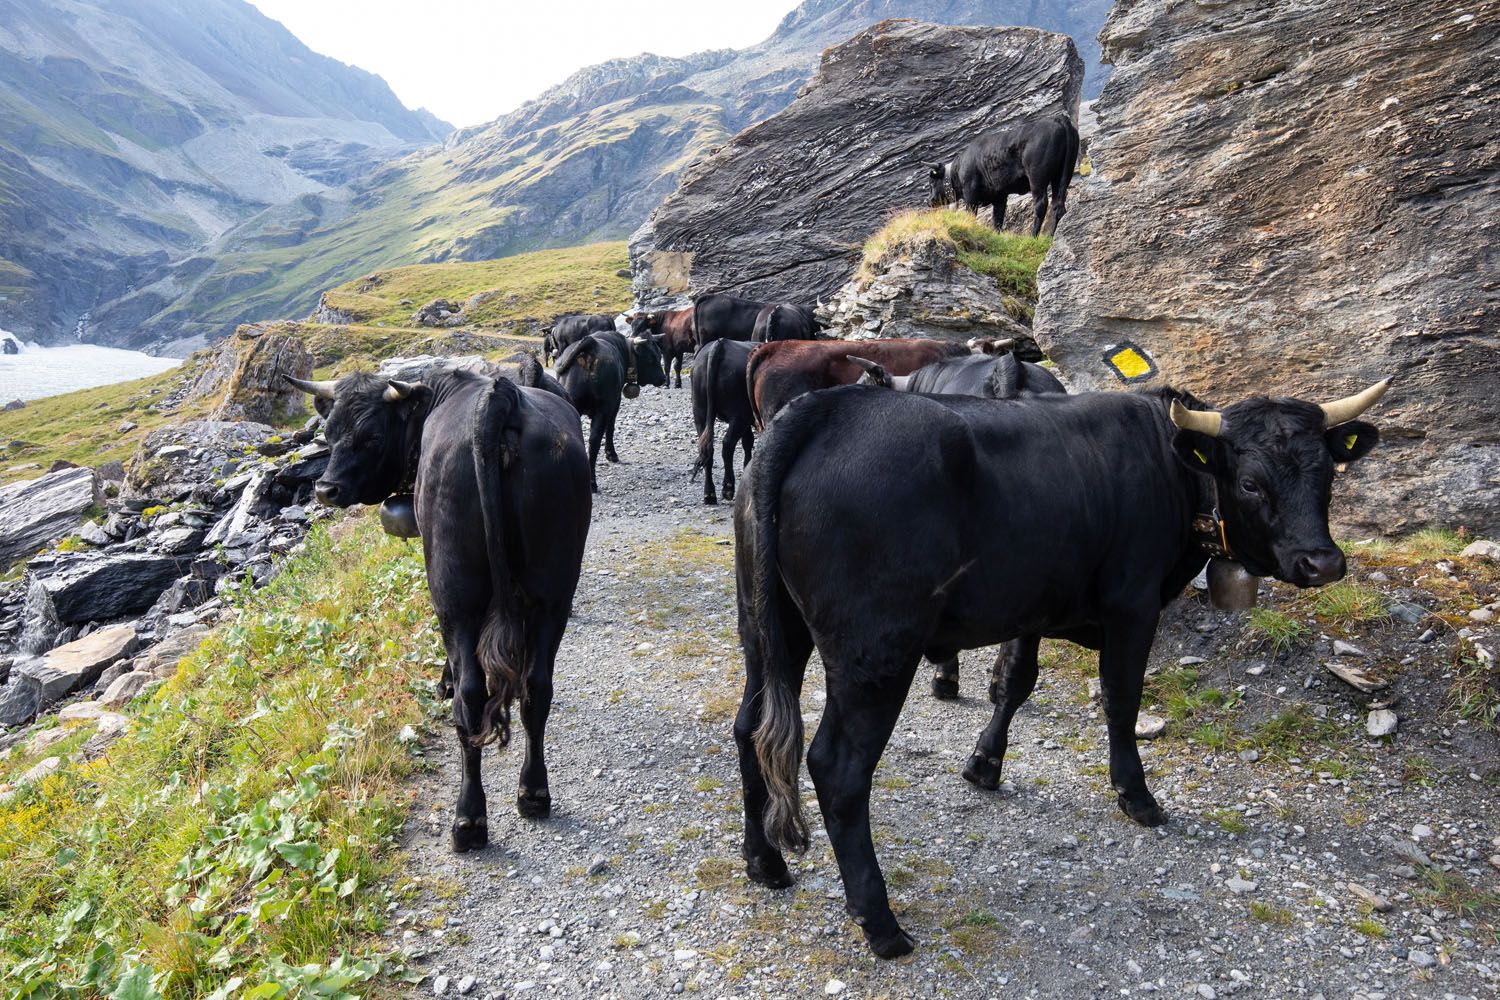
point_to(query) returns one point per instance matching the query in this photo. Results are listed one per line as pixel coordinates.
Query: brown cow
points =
(675, 326)
(782, 370)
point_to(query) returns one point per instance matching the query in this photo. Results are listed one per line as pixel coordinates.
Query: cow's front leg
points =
(997, 213)
(533, 797)
(471, 820)
(945, 679)
(1122, 674)
(609, 438)
(1015, 678)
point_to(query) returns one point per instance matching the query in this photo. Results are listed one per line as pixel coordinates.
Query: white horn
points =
(322, 390)
(1343, 410)
(396, 391)
(1203, 421)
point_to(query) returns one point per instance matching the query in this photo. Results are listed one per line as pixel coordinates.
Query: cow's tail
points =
(758, 356)
(503, 652)
(778, 738)
(529, 371)
(1007, 377)
(568, 356)
(710, 361)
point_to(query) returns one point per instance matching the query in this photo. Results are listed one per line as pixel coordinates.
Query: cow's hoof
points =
(470, 833)
(769, 871)
(612, 457)
(534, 804)
(444, 689)
(1144, 811)
(710, 499)
(891, 945)
(728, 493)
(982, 771)
(945, 688)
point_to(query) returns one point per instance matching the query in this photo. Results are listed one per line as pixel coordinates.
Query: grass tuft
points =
(1280, 631)
(1348, 603)
(1009, 258)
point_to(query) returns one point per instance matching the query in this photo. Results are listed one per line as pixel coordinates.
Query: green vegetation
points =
(240, 837)
(1178, 694)
(1009, 258)
(1348, 602)
(1268, 913)
(535, 285)
(1280, 631)
(1475, 692)
(1370, 927)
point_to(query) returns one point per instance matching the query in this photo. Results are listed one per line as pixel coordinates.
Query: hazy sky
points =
(470, 61)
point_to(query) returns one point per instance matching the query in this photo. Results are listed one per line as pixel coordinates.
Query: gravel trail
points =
(1270, 879)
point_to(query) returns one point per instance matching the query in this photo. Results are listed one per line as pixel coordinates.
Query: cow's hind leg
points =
(738, 432)
(1038, 209)
(677, 363)
(945, 679)
(763, 862)
(1122, 674)
(533, 796)
(471, 821)
(609, 438)
(1014, 679)
(856, 726)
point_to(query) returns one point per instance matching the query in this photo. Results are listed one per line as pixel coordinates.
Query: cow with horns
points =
(882, 526)
(502, 505)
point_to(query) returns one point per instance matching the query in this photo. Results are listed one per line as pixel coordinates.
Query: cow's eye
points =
(1250, 487)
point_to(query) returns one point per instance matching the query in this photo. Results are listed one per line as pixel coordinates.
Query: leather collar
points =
(1208, 528)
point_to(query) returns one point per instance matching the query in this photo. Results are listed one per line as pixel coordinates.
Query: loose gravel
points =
(1325, 864)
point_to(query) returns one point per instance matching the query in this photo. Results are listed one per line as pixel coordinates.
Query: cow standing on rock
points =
(882, 526)
(1034, 157)
(502, 506)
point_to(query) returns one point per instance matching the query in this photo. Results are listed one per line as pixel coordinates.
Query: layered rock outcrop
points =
(244, 376)
(782, 210)
(1301, 198)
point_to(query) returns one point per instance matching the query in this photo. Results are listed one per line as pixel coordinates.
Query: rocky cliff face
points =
(134, 132)
(782, 210)
(587, 160)
(1301, 198)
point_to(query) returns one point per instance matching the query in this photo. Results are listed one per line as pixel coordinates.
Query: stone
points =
(465, 985)
(1355, 677)
(1482, 549)
(93, 533)
(44, 738)
(1421, 959)
(834, 987)
(1239, 885)
(40, 770)
(175, 460)
(1376, 901)
(39, 623)
(1482, 615)
(1238, 282)
(1381, 722)
(246, 510)
(1342, 648)
(776, 211)
(80, 711)
(439, 986)
(1149, 727)
(34, 513)
(161, 660)
(103, 585)
(243, 379)
(66, 669)
(125, 687)
(107, 729)
(1421, 831)
(178, 540)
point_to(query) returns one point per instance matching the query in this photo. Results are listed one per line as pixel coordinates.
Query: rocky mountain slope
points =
(587, 160)
(1301, 198)
(782, 211)
(133, 132)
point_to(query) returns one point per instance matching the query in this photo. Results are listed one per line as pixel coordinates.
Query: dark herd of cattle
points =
(908, 499)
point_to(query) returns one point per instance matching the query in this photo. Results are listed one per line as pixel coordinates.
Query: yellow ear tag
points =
(1201, 457)
(1349, 442)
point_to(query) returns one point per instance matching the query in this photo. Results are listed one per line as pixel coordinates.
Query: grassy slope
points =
(441, 204)
(1009, 258)
(540, 284)
(242, 831)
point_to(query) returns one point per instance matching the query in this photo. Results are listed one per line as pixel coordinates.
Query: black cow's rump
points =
(566, 331)
(785, 322)
(892, 525)
(1033, 157)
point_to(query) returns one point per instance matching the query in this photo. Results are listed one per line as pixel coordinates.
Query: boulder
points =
(80, 711)
(782, 210)
(924, 290)
(242, 379)
(38, 683)
(99, 586)
(439, 312)
(1279, 203)
(175, 460)
(40, 626)
(37, 512)
(161, 660)
(125, 687)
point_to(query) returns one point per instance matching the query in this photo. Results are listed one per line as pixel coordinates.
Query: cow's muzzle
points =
(327, 493)
(1318, 567)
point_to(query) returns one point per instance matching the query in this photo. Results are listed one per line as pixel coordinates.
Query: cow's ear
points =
(1351, 440)
(323, 406)
(1198, 452)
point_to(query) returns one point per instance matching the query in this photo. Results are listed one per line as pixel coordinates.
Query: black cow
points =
(1031, 157)
(785, 322)
(596, 372)
(566, 331)
(882, 526)
(988, 376)
(717, 316)
(503, 505)
(720, 393)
